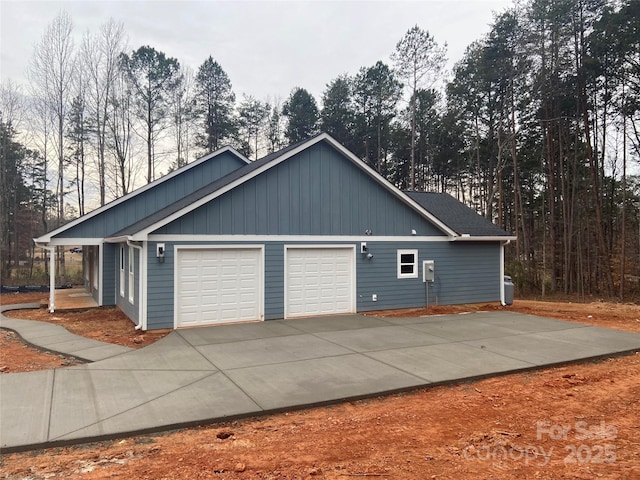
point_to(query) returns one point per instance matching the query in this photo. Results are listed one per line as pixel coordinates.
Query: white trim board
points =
(56, 242)
(292, 238)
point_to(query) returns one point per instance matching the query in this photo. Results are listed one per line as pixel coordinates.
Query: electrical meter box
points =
(428, 271)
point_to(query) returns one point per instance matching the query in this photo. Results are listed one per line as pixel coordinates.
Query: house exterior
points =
(309, 230)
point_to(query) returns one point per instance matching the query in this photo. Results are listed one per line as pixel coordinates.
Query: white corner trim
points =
(502, 291)
(143, 286)
(100, 273)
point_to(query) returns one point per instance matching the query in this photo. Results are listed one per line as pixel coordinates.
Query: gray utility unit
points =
(508, 290)
(308, 230)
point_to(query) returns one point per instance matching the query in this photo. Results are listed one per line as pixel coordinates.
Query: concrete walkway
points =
(213, 374)
(55, 338)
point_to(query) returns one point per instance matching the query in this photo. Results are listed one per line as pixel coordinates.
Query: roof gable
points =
(139, 230)
(315, 192)
(154, 196)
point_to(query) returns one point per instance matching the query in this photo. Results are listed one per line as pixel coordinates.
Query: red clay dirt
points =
(578, 421)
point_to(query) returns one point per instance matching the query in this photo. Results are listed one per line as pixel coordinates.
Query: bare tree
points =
(99, 57)
(252, 114)
(274, 126)
(51, 73)
(183, 115)
(120, 133)
(12, 105)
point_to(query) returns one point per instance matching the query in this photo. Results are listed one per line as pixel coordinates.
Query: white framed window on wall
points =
(122, 270)
(131, 274)
(407, 263)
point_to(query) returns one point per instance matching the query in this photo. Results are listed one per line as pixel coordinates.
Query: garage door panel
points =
(218, 286)
(319, 281)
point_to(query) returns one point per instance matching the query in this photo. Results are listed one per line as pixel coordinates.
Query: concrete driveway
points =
(211, 374)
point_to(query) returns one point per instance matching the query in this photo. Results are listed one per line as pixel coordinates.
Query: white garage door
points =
(218, 286)
(319, 281)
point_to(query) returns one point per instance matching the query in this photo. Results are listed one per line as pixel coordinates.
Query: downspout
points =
(502, 295)
(140, 276)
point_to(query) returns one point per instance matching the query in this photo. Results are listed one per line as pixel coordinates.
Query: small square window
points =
(407, 263)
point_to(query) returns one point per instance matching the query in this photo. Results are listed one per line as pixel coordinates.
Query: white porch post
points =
(52, 278)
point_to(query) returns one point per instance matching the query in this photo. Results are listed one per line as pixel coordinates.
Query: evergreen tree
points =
(153, 77)
(418, 58)
(215, 102)
(376, 95)
(301, 111)
(337, 117)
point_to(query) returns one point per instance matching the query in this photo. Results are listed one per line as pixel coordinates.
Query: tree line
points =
(537, 128)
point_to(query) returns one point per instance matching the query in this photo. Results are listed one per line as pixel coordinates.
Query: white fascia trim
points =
(292, 238)
(73, 241)
(484, 239)
(122, 239)
(142, 235)
(48, 236)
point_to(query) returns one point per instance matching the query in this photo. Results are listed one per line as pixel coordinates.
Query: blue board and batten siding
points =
(110, 262)
(155, 198)
(466, 272)
(317, 192)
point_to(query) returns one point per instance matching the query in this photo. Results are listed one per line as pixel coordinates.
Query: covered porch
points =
(73, 299)
(90, 295)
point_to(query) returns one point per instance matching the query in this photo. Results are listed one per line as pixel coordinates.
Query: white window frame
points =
(122, 261)
(414, 264)
(131, 275)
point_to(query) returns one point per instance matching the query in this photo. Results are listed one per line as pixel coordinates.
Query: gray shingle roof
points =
(456, 215)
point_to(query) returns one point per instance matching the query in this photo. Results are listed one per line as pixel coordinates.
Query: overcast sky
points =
(267, 48)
